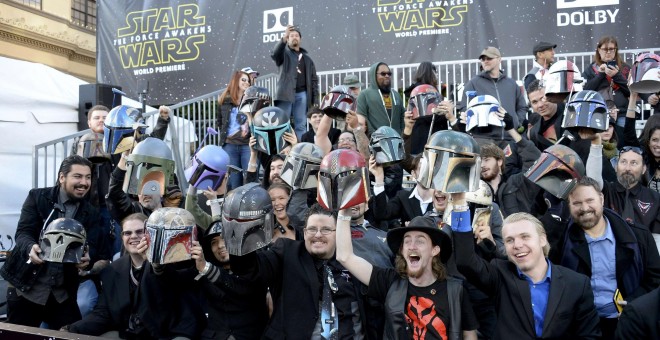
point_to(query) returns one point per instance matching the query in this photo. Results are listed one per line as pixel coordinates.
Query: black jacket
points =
(641, 318)
(645, 203)
(637, 260)
(516, 193)
(119, 203)
(178, 312)
(570, 313)
(35, 215)
(287, 61)
(289, 270)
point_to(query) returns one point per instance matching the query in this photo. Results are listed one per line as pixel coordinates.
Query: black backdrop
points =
(189, 48)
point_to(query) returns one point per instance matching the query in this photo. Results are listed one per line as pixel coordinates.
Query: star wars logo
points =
(275, 22)
(584, 14)
(155, 38)
(411, 18)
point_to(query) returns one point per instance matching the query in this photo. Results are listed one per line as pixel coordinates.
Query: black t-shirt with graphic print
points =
(427, 308)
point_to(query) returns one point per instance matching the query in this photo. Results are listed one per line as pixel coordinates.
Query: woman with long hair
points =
(608, 74)
(234, 126)
(650, 139)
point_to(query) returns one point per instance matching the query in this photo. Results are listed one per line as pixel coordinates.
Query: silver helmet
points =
(63, 241)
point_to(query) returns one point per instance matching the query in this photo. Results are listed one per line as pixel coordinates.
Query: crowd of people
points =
(354, 216)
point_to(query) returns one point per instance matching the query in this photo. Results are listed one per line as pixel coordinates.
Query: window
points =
(32, 3)
(83, 13)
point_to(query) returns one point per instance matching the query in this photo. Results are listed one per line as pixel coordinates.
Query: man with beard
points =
(421, 301)
(41, 291)
(379, 103)
(514, 193)
(236, 308)
(615, 255)
(627, 196)
(535, 298)
(316, 295)
(297, 85)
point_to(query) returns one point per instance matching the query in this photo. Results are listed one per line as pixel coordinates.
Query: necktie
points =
(628, 211)
(329, 318)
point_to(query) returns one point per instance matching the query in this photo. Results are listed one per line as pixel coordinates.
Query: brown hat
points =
(425, 224)
(490, 52)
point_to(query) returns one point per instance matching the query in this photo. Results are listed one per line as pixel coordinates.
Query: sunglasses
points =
(633, 149)
(385, 74)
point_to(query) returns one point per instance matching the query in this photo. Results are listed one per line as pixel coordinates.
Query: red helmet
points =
(644, 74)
(338, 102)
(557, 170)
(423, 99)
(343, 180)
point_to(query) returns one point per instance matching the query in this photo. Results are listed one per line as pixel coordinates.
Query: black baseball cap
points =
(543, 46)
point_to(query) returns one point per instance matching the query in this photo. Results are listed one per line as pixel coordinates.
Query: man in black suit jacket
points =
(640, 319)
(406, 204)
(133, 287)
(564, 309)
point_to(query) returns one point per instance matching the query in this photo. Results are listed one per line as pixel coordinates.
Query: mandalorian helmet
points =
(586, 109)
(482, 112)
(644, 76)
(450, 162)
(338, 102)
(268, 127)
(254, 99)
(247, 219)
(151, 160)
(423, 99)
(557, 170)
(387, 146)
(63, 241)
(562, 79)
(343, 180)
(170, 232)
(118, 125)
(301, 166)
(208, 167)
(90, 146)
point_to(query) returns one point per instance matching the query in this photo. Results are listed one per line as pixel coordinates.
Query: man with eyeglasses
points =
(132, 288)
(616, 255)
(314, 295)
(379, 102)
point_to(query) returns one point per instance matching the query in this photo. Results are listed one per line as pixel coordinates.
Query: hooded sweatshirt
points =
(371, 105)
(506, 91)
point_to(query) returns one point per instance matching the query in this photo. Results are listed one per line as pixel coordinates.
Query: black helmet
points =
(254, 99)
(63, 241)
(247, 219)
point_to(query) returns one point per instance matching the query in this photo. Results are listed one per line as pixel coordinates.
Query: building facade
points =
(57, 33)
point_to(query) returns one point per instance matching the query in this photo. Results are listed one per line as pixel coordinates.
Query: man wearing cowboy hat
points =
(420, 300)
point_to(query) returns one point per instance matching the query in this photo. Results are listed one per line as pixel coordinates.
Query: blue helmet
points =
(118, 125)
(586, 109)
(208, 167)
(268, 127)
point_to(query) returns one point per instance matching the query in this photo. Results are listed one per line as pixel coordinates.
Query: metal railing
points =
(199, 113)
